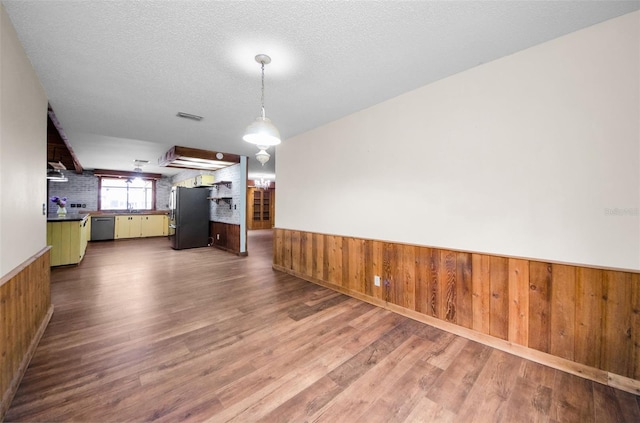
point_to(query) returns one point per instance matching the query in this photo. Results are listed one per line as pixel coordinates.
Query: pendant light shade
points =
(262, 156)
(261, 131)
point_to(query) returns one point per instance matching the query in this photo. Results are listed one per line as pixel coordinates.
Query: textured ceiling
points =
(117, 72)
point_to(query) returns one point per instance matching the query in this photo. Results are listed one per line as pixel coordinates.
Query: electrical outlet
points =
(376, 280)
(217, 237)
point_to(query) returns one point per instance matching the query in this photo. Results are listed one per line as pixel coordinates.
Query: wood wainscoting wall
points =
(25, 310)
(582, 320)
(225, 236)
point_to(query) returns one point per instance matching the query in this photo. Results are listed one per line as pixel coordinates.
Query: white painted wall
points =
(23, 153)
(530, 155)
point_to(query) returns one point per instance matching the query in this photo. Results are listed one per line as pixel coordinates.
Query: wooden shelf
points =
(216, 185)
(227, 200)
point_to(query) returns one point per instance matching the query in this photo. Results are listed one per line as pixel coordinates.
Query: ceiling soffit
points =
(194, 158)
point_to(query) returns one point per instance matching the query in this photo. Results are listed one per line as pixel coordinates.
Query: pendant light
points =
(262, 132)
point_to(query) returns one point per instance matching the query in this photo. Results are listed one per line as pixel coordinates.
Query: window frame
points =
(153, 193)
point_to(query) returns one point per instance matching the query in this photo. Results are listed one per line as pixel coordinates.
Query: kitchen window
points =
(127, 194)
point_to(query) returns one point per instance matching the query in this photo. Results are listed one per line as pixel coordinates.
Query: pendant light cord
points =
(263, 114)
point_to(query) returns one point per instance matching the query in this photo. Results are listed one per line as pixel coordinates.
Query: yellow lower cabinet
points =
(152, 225)
(136, 226)
(128, 226)
(85, 234)
(68, 240)
(122, 227)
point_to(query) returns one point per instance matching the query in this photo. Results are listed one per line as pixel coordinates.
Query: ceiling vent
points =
(189, 116)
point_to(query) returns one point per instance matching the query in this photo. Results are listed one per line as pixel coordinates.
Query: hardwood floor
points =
(141, 332)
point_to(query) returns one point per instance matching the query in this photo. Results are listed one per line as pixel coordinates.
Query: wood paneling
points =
(481, 285)
(586, 315)
(58, 148)
(464, 290)
(588, 339)
(226, 339)
(225, 236)
(296, 257)
(563, 307)
(25, 309)
(634, 362)
(333, 259)
(356, 265)
(539, 305)
(617, 344)
(318, 250)
(519, 301)
(499, 300)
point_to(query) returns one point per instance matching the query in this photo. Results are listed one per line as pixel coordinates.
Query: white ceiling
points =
(117, 72)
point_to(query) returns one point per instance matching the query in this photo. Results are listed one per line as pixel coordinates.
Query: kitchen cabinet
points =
(88, 229)
(153, 225)
(128, 226)
(260, 208)
(85, 232)
(68, 240)
(204, 180)
(139, 226)
(189, 183)
(198, 181)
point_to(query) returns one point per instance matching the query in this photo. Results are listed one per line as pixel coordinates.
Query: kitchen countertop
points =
(69, 217)
(78, 216)
(142, 213)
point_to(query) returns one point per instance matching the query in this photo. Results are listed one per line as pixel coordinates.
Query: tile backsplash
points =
(82, 190)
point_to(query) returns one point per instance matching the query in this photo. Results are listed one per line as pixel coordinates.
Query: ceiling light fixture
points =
(262, 183)
(188, 116)
(56, 175)
(137, 163)
(262, 132)
(193, 158)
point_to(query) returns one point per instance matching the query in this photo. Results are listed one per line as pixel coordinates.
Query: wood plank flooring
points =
(141, 333)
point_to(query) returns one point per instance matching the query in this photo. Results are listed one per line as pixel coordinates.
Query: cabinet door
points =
(266, 205)
(204, 180)
(84, 236)
(122, 227)
(165, 225)
(88, 228)
(260, 208)
(257, 208)
(128, 226)
(64, 238)
(152, 225)
(135, 226)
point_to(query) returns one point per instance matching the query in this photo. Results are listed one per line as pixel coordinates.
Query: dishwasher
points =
(102, 227)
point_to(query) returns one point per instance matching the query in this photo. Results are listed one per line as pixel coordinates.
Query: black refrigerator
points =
(188, 217)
